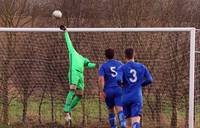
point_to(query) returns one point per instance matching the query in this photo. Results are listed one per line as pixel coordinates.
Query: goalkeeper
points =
(75, 76)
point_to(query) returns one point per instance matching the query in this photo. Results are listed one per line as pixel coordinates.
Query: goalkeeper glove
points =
(62, 27)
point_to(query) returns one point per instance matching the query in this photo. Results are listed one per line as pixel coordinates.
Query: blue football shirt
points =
(109, 70)
(134, 76)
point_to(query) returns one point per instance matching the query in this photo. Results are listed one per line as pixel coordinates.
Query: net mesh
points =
(34, 84)
(197, 81)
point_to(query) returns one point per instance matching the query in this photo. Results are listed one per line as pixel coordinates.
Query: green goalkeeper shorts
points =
(76, 78)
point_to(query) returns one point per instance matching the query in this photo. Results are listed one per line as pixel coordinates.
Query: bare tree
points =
(13, 13)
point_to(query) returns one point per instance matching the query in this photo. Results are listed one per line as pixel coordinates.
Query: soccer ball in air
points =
(57, 14)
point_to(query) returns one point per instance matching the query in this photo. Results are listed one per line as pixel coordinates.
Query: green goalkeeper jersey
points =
(77, 61)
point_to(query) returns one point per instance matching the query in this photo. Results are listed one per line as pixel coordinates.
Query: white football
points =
(57, 14)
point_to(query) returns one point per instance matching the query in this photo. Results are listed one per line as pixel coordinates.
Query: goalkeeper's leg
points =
(77, 98)
(67, 107)
(74, 79)
(79, 91)
(70, 95)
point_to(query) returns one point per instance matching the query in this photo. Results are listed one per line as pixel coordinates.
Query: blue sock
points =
(136, 125)
(122, 120)
(112, 120)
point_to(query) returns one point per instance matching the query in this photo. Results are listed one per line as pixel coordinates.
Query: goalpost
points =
(191, 32)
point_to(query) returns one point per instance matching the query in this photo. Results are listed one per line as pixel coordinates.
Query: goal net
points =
(34, 84)
(197, 80)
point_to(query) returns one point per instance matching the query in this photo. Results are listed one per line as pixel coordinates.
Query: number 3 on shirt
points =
(133, 79)
(113, 72)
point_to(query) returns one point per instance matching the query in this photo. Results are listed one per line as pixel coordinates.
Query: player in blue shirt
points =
(134, 76)
(110, 89)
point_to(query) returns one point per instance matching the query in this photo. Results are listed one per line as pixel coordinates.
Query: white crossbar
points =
(170, 29)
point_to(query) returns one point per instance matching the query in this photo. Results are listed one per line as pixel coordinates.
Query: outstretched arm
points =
(89, 64)
(67, 38)
(68, 42)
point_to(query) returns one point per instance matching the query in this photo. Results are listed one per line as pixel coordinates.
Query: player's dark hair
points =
(109, 53)
(129, 53)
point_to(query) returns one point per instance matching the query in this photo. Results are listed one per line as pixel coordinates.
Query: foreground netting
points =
(197, 80)
(34, 66)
